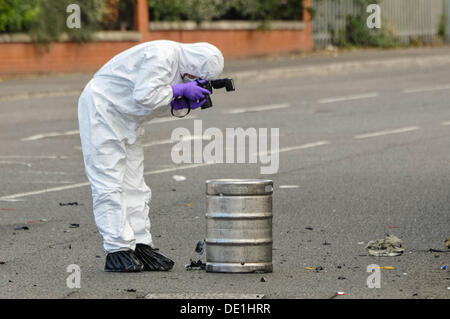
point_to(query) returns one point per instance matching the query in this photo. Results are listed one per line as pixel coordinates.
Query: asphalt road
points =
(368, 152)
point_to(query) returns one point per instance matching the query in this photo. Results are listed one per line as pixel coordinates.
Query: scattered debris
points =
(393, 227)
(195, 265)
(263, 279)
(339, 293)
(289, 186)
(309, 228)
(179, 178)
(308, 268)
(2, 263)
(432, 250)
(326, 243)
(447, 243)
(74, 225)
(360, 243)
(389, 246)
(341, 278)
(443, 267)
(69, 204)
(200, 247)
(130, 290)
(21, 228)
(43, 220)
(189, 204)
(386, 267)
(318, 268)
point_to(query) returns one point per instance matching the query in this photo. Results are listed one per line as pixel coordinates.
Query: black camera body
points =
(227, 83)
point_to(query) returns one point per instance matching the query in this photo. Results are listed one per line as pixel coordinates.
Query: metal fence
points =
(406, 19)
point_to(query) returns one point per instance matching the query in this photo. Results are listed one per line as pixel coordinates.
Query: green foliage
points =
(442, 30)
(356, 32)
(51, 18)
(45, 20)
(167, 10)
(207, 10)
(17, 15)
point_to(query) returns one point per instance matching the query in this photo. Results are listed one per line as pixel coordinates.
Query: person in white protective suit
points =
(128, 90)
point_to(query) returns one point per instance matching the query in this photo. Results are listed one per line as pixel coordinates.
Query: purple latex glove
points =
(191, 90)
(179, 104)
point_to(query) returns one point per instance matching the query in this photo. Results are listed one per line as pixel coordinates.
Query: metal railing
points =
(406, 19)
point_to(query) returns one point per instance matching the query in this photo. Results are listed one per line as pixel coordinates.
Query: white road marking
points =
(257, 108)
(294, 148)
(169, 141)
(387, 132)
(157, 120)
(349, 97)
(39, 95)
(33, 156)
(51, 134)
(78, 185)
(15, 163)
(427, 89)
(288, 186)
(446, 123)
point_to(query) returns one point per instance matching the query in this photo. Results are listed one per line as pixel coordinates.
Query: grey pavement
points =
(367, 150)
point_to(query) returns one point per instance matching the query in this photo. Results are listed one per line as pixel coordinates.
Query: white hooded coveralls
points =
(128, 90)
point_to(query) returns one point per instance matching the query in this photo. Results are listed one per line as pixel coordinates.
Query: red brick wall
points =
(17, 58)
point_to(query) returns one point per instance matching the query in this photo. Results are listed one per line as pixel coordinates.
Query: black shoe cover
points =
(123, 261)
(152, 259)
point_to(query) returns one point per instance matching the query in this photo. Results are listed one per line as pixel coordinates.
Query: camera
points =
(227, 83)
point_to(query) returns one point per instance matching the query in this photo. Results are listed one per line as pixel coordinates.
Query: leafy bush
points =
(51, 18)
(17, 15)
(207, 10)
(356, 32)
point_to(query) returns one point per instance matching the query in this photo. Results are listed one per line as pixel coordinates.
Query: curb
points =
(341, 67)
(285, 73)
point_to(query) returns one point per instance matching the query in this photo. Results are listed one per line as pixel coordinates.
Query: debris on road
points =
(263, 279)
(189, 204)
(309, 228)
(195, 265)
(200, 247)
(21, 228)
(339, 293)
(432, 250)
(447, 243)
(444, 267)
(69, 204)
(130, 290)
(308, 268)
(386, 247)
(179, 178)
(386, 267)
(74, 225)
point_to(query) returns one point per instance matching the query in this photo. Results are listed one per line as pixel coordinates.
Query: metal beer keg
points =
(239, 225)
